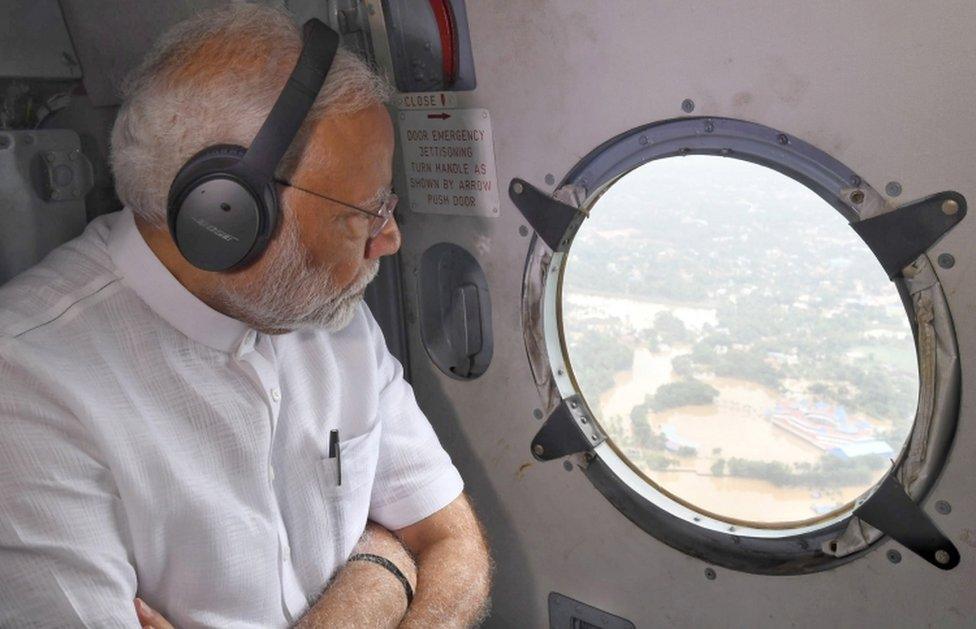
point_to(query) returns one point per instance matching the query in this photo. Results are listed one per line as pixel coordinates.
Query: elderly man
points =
(212, 444)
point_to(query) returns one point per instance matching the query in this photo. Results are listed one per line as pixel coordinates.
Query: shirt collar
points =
(142, 271)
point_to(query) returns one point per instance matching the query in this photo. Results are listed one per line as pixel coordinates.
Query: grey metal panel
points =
(347, 17)
(112, 36)
(888, 92)
(34, 42)
(36, 217)
(416, 43)
(455, 311)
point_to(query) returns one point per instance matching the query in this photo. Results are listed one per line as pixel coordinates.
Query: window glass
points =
(741, 346)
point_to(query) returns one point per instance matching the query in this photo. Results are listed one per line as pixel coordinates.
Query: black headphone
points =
(222, 206)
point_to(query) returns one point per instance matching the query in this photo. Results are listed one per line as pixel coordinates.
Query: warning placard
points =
(449, 161)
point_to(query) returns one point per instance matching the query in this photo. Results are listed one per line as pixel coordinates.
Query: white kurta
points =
(150, 445)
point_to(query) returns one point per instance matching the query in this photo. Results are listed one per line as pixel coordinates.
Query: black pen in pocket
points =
(335, 453)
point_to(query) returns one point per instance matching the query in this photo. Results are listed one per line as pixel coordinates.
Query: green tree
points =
(670, 328)
(682, 393)
(718, 467)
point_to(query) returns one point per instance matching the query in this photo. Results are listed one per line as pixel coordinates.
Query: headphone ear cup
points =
(219, 216)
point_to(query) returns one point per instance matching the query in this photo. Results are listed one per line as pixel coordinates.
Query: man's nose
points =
(386, 243)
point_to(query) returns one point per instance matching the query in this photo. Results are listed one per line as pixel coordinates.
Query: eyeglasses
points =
(379, 218)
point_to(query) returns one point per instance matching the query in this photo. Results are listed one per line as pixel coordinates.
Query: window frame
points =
(809, 547)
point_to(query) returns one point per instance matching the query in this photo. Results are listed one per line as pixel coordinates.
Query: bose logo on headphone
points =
(213, 229)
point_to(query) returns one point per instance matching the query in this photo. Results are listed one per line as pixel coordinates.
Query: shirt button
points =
(276, 394)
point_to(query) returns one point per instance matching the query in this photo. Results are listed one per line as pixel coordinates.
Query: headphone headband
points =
(319, 45)
(222, 205)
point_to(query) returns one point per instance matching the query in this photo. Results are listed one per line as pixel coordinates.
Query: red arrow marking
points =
(441, 116)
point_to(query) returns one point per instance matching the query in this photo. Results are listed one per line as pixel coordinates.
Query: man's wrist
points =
(390, 567)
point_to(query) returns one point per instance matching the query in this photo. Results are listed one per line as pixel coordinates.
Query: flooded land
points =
(746, 354)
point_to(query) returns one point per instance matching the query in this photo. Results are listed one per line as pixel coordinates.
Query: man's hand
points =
(149, 618)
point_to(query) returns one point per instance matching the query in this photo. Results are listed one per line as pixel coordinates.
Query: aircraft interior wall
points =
(867, 105)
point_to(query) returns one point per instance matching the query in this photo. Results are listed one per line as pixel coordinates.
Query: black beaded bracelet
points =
(389, 565)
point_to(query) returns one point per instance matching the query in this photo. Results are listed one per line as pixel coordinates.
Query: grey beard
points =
(293, 295)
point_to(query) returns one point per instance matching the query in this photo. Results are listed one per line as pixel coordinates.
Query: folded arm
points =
(363, 594)
(451, 578)
(453, 568)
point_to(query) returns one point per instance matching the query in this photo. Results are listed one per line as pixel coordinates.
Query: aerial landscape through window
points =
(738, 342)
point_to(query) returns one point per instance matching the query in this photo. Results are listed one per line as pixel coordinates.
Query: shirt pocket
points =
(347, 504)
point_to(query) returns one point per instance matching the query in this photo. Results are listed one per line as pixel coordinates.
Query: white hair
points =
(212, 79)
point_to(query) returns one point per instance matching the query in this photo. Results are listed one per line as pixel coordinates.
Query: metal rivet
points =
(538, 450)
(537, 413)
(950, 207)
(583, 419)
(943, 507)
(643, 140)
(710, 574)
(688, 105)
(574, 404)
(523, 231)
(855, 181)
(857, 197)
(560, 372)
(782, 138)
(517, 188)
(709, 127)
(894, 556)
(568, 466)
(942, 556)
(893, 189)
(550, 179)
(225, 207)
(947, 260)
(593, 437)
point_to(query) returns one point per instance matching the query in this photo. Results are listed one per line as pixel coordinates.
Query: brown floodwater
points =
(735, 425)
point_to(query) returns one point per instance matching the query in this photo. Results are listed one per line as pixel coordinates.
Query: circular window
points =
(742, 348)
(752, 371)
